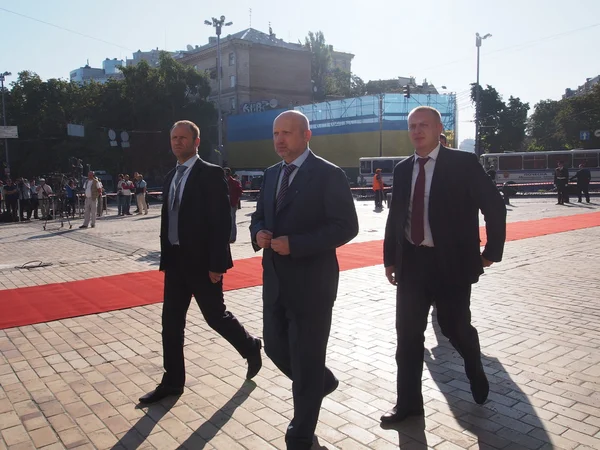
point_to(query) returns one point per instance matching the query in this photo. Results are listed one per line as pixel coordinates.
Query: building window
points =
(232, 59)
(232, 104)
(232, 81)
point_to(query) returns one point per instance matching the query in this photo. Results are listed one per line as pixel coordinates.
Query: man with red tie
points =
(432, 254)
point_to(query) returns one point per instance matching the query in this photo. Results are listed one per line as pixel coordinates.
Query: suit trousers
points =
(583, 188)
(419, 285)
(296, 342)
(182, 280)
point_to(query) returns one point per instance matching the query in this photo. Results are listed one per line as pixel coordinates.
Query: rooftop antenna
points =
(250, 11)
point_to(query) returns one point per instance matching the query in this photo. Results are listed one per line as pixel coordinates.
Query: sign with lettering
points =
(260, 106)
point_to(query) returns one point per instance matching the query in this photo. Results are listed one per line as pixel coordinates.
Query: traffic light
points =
(406, 91)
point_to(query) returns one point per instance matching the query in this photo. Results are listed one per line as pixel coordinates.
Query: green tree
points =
(145, 103)
(320, 63)
(501, 126)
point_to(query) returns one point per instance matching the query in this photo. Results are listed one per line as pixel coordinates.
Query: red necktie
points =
(417, 217)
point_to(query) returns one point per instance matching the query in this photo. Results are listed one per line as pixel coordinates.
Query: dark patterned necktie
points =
(285, 181)
(417, 217)
(174, 203)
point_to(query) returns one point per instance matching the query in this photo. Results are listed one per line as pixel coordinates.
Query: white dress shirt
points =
(188, 164)
(429, 168)
(297, 162)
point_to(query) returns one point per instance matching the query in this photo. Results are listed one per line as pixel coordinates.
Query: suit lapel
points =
(192, 180)
(301, 179)
(271, 192)
(167, 187)
(437, 181)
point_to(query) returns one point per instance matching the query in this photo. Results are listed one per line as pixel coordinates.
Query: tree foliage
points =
(145, 103)
(556, 125)
(328, 81)
(501, 125)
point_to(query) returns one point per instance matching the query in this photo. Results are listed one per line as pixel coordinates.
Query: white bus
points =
(368, 166)
(538, 167)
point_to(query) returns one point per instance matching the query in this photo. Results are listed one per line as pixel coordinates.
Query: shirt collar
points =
(300, 159)
(433, 155)
(190, 162)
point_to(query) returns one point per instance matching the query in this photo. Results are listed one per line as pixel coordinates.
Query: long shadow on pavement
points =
(507, 418)
(212, 426)
(138, 433)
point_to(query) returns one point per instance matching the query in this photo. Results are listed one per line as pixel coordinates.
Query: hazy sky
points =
(537, 49)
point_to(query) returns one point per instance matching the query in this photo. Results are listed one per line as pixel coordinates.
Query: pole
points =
(4, 118)
(380, 124)
(220, 117)
(477, 140)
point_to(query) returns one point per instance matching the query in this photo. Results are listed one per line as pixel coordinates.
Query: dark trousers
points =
(583, 188)
(25, 205)
(418, 288)
(34, 207)
(12, 207)
(561, 189)
(296, 342)
(379, 199)
(181, 282)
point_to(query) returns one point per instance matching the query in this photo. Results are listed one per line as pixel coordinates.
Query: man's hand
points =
(281, 245)
(263, 238)
(215, 277)
(486, 262)
(390, 273)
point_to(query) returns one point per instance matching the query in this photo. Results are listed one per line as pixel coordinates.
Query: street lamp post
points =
(478, 40)
(2, 77)
(218, 24)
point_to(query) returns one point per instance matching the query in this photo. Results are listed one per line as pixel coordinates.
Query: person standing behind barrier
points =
(92, 190)
(120, 196)
(305, 211)
(71, 198)
(561, 181)
(583, 177)
(235, 193)
(140, 194)
(44, 192)
(34, 198)
(11, 198)
(195, 254)
(432, 254)
(378, 189)
(24, 198)
(128, 192)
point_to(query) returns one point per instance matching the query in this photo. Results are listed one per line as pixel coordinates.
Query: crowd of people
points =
(22, 200)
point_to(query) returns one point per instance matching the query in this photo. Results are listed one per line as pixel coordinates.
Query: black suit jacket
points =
(204, 220)
(460, 188)
(318, 215)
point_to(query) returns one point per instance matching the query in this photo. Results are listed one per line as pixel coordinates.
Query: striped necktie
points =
(285, 181)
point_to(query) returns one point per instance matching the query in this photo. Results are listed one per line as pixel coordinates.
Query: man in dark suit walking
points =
(432, 254)
(194, 238)
(583, 177)
(305, 211)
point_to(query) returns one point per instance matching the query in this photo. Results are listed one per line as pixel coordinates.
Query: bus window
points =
(534, 161)
(365, 167)
(386, 165)
(554, 158)
(489, 161)
(510, 162)
(589, 160)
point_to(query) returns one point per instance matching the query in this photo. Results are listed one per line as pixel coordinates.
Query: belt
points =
(418, 248)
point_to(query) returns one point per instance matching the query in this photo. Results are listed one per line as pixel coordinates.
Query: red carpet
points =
(25, 306)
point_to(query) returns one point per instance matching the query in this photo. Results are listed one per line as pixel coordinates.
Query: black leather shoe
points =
(396, 415)
(329, 389)
(254, 361)
(159, 393)
(480, 388)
